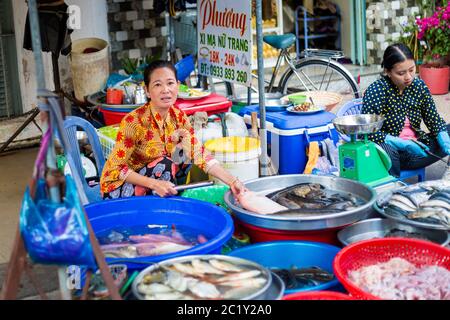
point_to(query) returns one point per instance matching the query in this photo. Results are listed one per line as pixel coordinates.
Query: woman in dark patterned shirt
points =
(405, 101)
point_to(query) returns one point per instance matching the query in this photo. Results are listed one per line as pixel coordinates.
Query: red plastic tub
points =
(318, 295)
(112, 117)
(211, 104)
(258, 234)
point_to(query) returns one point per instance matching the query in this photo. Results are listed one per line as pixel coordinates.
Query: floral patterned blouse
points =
(416, 103)
(145, 136)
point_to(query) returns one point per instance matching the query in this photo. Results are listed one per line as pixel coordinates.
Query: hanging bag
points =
(54, 232)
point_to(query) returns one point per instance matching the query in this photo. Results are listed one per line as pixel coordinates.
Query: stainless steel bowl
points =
(276, 289)
(267, 185)
(358, 123)
(274, 105)
(262, 294)
(377, 228)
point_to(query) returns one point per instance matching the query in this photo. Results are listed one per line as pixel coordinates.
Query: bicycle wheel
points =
(320, 74)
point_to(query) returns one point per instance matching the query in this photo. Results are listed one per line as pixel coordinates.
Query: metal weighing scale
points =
(363, 160)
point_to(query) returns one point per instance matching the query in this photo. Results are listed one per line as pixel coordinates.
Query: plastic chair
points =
(185, 67)
(71, 124)
(354, 107)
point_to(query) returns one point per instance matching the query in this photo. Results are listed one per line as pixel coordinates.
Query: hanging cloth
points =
(313, 156)
(55, 35)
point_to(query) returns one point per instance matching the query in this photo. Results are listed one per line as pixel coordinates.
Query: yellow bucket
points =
(238, 155)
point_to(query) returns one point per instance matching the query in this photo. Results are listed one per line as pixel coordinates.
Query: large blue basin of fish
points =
(305, 265)
(209, 220)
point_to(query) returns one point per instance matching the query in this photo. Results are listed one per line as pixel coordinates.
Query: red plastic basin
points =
(112, 117)
(258, 234)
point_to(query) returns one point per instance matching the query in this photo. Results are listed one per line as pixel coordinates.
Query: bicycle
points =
(316, 70)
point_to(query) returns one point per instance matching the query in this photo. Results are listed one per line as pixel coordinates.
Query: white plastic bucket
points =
(89, 70)
(238, 155)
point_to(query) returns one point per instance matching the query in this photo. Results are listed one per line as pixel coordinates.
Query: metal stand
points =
(50, 106)
(19, 130)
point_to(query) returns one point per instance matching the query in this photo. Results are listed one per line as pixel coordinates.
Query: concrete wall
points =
(93, 24)
(135, 30)
(384, 20)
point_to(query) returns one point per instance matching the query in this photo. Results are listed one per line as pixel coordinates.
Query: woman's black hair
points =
(394, 54)
(157, 64)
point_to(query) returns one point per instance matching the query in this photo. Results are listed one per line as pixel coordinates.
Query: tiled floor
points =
(17, 169)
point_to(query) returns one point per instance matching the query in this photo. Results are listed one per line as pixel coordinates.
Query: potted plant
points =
(434, 35)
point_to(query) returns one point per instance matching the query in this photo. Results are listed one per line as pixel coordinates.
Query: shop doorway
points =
(10, 99)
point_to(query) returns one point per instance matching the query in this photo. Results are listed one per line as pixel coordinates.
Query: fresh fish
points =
(248, 282)
(204, 290)
(178, 281)
(441, 195)
(303, 277)
(312, 198)
(205, 267)
(128, 250)
(154, 277)
(151, 238)
(239, 276)
(155, 249)
(288, 203)
(402, 200)
(442, 216)
(201, 239)
(119, 251)
(253, 202)
(307, 190)
(224, 266)
(187, 269)
(153, 288)
(436, 203)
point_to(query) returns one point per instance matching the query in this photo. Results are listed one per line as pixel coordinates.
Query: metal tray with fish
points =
(424, 205)
(381, 228)
(326, 219)
(203, 277)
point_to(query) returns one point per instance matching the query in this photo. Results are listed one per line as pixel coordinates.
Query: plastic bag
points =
(55, 233)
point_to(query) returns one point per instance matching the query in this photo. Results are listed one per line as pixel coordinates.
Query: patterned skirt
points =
(163, 168)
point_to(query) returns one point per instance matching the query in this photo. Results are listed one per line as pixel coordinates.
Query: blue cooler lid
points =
(288, 121)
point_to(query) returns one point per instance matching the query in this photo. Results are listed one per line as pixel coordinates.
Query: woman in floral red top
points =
(156, 144)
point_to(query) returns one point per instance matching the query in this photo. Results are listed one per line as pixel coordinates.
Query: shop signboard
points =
(225, 39)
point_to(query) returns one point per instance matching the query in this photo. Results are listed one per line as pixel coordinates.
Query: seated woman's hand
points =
(444, 141)
(164, 188)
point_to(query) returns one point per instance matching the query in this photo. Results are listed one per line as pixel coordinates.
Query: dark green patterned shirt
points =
(416, 103)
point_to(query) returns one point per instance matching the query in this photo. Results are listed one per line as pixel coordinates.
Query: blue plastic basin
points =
(210, 220)
(284, 254)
